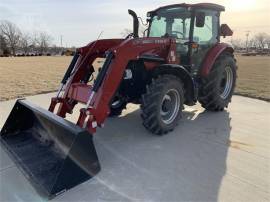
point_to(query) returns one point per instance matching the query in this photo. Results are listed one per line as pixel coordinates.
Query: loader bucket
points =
(53, 153)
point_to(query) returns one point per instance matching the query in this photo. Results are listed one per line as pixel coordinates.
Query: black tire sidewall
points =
(227, 62)
(116, 111)
(171, 85)
(209, 95)
(152, 102)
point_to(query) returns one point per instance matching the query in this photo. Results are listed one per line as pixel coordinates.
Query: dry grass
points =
(253, 76)
(24, 76)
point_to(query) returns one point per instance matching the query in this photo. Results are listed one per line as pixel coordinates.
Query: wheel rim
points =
(116, 104)
(170, 106)
(226, 83)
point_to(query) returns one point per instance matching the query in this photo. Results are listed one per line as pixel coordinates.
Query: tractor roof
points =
(210, 6)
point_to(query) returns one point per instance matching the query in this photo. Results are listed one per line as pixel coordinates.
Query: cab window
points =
(209, 32)
(158, 27)
(180, 28)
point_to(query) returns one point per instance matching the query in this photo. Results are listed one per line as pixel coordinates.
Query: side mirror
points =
(200, 19)
(225, 30)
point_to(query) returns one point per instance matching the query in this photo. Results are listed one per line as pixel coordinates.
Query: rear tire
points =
(117, 107)
(162, 104)
(218, 87)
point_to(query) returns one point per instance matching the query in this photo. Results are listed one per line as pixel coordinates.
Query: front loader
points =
(178, 62)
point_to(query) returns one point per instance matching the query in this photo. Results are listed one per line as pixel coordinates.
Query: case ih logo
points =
(148, 41)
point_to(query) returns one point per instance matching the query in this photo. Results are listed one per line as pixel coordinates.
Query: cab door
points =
(181, 32)
(205, 36)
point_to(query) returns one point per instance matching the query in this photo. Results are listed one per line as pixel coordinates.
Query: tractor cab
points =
(195, 28)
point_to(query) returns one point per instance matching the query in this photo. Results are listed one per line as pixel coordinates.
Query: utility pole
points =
(61, 40)
(61, 43)
(247, 35)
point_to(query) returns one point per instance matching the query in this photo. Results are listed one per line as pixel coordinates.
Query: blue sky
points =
(81, 21)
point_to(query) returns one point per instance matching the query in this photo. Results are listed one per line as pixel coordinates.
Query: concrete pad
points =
(14, 187)
(5, 160)
(220, 156)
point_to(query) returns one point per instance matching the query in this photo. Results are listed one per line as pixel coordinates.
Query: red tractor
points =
(180, 61)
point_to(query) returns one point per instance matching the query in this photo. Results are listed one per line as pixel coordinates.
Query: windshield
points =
(174, 22)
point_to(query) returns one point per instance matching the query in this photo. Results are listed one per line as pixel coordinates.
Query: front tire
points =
(218, 87)
(117, 106)
(162, 104)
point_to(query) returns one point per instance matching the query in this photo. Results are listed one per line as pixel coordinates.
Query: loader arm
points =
(81, 68)
(116, 62)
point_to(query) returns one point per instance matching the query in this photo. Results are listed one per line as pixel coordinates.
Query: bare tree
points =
(252, 44)
(126, 32)
(3, 44)
(12, 34)
(261, 40)
(55, 49)
(268, 42)
(237, 43)
(34, 41)
(25, 42)
(43, 41)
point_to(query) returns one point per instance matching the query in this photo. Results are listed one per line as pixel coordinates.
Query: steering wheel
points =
(177, 32)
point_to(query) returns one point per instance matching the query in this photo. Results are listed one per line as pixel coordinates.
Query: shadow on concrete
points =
(185, 165)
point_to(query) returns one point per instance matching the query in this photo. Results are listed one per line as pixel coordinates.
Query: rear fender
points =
(211, 57)
(184, 75)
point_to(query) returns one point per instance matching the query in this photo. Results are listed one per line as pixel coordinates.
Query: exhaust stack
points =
(135, 23)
